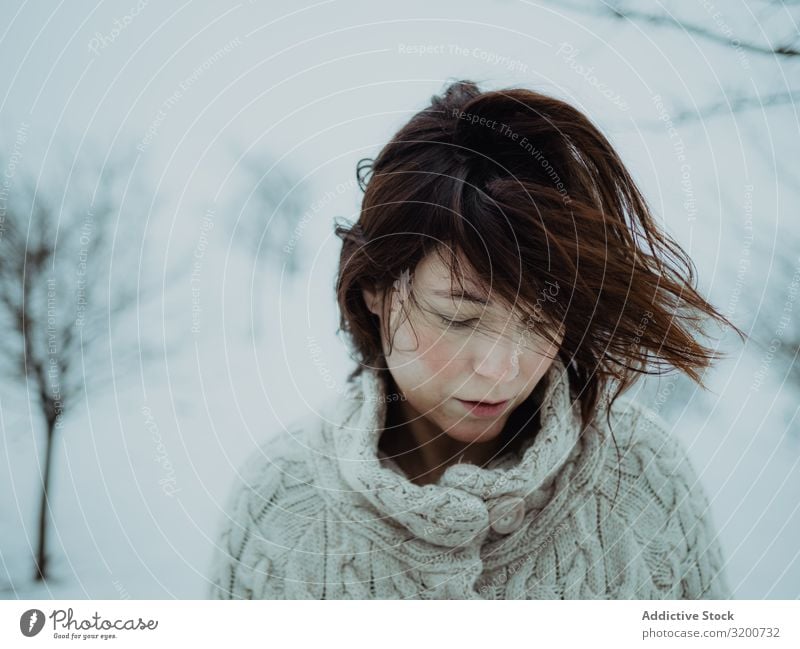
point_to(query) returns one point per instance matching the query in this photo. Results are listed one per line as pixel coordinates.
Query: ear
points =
(372, 300)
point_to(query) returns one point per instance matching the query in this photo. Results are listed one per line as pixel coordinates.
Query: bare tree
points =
(62, 299)
(777, 329)
(268, 217)
(783, 47)
(774, 41)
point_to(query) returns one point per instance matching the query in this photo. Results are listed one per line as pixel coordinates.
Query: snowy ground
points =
(142, 469)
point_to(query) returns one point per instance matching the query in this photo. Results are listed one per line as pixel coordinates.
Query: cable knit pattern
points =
(319, 512)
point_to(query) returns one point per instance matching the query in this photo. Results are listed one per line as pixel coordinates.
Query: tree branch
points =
(785, 50)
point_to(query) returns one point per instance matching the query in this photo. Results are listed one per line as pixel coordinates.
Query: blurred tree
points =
(783, 45)
(775, 38)
(61, 304)
(269, 206)
(766, 31)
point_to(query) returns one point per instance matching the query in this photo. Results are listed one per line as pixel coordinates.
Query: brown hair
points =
(534, 196)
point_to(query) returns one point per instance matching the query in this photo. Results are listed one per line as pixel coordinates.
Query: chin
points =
(475, 432)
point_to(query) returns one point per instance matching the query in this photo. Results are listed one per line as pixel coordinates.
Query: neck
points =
(422, 450)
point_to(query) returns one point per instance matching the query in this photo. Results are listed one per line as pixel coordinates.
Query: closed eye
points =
(458, 323)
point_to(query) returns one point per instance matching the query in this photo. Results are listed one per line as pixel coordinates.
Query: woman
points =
(504, 272)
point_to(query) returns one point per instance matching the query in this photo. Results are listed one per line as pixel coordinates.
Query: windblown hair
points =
(532, 194)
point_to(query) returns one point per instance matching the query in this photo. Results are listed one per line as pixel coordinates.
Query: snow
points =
(143, 466)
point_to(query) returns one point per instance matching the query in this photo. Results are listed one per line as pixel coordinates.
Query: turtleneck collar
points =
(458, 507)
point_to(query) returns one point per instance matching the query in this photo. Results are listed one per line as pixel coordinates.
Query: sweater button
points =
(506, 514)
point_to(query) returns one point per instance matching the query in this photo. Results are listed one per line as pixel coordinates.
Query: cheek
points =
(439, 355)
(535, 364)
(425, 352)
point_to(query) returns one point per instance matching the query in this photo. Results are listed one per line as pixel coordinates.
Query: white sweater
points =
(318, 512)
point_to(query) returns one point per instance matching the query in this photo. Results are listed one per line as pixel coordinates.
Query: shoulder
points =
(662, 498)
(647, 445)
(279, 463)
(634, 423)
(271, 503)
(650, 448)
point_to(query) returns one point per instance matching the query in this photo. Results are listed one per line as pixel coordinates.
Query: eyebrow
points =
(469, 297)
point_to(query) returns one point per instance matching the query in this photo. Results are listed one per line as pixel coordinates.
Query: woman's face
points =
(449, 359)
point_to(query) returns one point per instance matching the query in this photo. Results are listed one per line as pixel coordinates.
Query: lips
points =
(483, 408)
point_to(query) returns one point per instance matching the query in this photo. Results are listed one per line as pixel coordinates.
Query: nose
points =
(498, 360)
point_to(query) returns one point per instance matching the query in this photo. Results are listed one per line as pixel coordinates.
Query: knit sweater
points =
(319, 512)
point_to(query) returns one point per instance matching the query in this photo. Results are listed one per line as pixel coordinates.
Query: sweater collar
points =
(456, 509)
